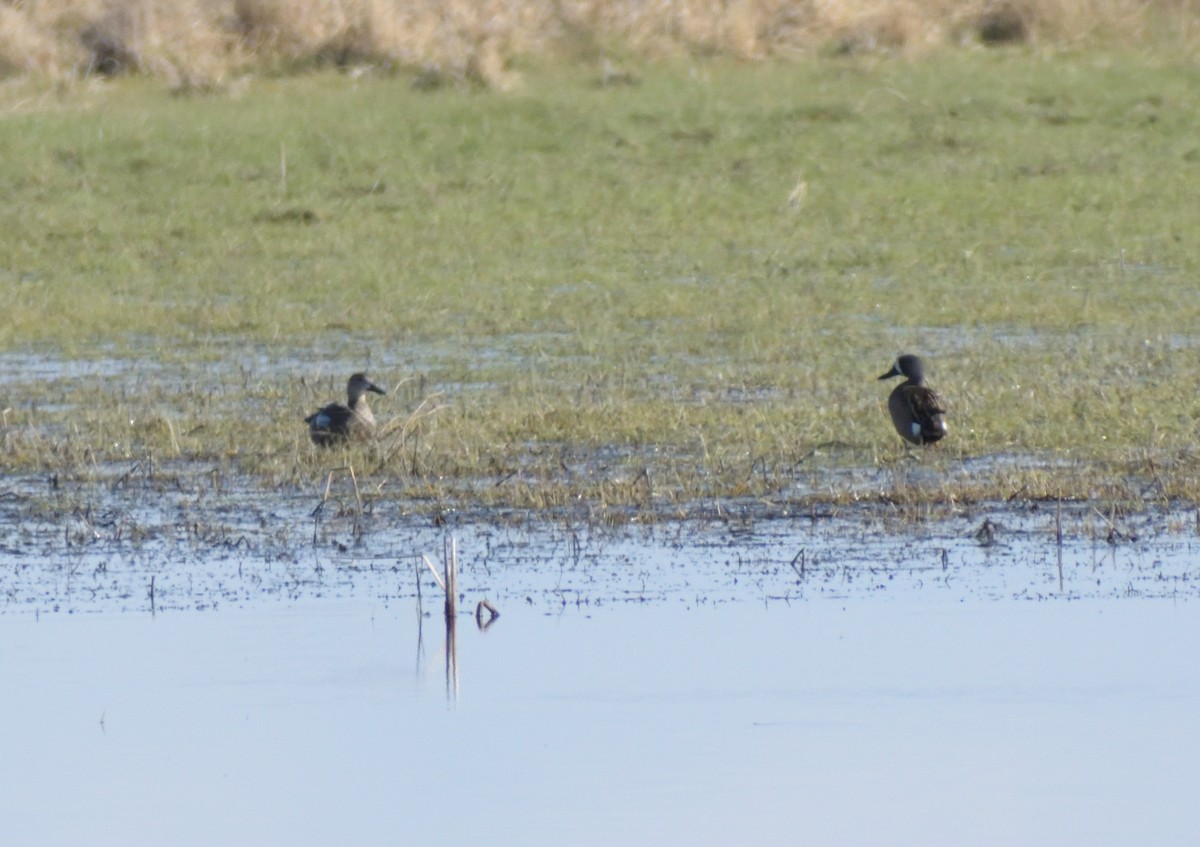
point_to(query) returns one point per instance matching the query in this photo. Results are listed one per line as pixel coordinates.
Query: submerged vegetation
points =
(646, 290)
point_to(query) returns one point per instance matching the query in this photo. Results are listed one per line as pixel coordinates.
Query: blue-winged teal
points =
(336, 423)
(916, 410)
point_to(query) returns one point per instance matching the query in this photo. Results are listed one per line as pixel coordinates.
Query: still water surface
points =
(896, 718)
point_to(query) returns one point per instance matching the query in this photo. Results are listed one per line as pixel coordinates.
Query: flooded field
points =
(261, 667)
(630, 337)
(194, 540)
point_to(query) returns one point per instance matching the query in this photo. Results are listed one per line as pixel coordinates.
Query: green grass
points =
(601, 281)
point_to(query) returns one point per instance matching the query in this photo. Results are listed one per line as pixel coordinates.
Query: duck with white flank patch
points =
(916, 410)
(337, 424)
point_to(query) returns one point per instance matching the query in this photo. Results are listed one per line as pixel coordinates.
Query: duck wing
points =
(332, 418)
(927, 411)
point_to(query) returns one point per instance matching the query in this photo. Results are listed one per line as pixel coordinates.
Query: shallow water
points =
(894, 719)
(144, 551)
(191, 660)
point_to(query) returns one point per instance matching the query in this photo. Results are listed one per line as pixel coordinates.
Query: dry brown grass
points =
(199, 42)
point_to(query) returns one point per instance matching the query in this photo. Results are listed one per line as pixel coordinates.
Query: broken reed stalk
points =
(420, 614)
(358, 514)
(353, 479)
(448, 580)
(437, 576)
(492, 612)
(358, 501)
(1058, 538)
(450, 554)
(450, 558)
(357, 493)
(800, 557)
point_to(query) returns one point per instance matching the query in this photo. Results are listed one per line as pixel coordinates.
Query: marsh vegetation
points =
(672, 289)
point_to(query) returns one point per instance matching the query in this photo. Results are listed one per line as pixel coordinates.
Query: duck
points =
(917, 411)
(337, 424)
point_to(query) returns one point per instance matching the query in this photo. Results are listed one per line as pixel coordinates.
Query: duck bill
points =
(375, 388)
(893, 372)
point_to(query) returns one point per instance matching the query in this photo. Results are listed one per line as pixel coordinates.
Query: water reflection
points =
(486, 614)
(633, 724)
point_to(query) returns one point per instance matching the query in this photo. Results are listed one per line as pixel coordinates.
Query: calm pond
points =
(705, 683)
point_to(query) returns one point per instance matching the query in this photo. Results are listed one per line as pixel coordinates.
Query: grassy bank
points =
(620, 291)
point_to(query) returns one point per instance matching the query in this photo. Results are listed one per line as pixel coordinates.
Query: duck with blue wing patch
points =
(917, 411)
(337, 424)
